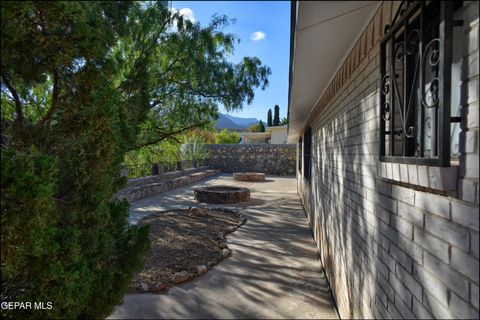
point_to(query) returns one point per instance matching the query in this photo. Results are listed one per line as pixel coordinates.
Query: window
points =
(300, 154)
(417, 120)
(307, 151)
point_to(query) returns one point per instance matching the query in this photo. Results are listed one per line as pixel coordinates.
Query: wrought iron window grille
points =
(415, 64)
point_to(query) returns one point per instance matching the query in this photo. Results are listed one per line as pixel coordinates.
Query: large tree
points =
(276, 116)
(82, 83)
(193, 75)
(269, 118)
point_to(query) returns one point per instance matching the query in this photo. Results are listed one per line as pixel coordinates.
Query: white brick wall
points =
(468, 184)
(395, 248)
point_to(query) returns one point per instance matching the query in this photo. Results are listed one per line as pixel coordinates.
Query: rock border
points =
(249, 176)
(214, 194)
(221, 241)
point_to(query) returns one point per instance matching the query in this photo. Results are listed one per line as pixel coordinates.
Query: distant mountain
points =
(242, 121)
(226, 121)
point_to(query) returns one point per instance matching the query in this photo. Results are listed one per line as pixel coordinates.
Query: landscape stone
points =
(181, 276)
(158, 287)
(145, 287)
(201, 212)
(231, 229)
(201, 269)
(225, 252)
(223, 245)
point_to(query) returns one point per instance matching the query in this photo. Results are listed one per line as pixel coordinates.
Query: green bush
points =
(82, 269)
(193, 148)
(259, 127)
(226, 137)
(164, 152)
(65, 240)
(29, 220)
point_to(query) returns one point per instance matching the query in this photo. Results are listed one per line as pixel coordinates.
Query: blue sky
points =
(271, 21)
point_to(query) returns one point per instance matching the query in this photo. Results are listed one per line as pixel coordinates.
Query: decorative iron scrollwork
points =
(386, 91)
(413, 58)
(432, 55)
(405, 104)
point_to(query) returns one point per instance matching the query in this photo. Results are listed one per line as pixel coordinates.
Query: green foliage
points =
(29, 219)
(226, 137)
(254, 128)
(193, 148)
(66, 241)
(284, 121)
(193, 75)
(207, 135)
(167, 152)
(259, 127)
(269, 118)
(276, 116)
(83, 83)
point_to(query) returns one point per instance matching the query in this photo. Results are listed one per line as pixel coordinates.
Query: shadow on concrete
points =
(273, 272)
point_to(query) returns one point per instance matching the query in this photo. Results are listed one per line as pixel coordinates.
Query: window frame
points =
(442, 132)
(307, 154)
(300, 154)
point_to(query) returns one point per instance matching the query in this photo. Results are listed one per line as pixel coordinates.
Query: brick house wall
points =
(395, 240)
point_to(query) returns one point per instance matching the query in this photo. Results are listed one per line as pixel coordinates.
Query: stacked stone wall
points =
(271, 159)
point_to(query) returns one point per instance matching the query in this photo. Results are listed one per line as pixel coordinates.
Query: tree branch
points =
(16, 98)
(168, 135)
(200, 93)
(55, 94)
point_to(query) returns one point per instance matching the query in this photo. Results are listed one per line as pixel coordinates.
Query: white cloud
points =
(186, 13)
(257, 36)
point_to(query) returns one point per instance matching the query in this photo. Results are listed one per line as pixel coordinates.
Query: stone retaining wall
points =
(150, 189)
(162, 177)
(273, 159)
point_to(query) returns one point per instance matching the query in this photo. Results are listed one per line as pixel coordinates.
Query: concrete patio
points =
(273, 272)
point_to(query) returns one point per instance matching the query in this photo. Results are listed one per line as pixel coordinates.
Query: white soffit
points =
(325, 32)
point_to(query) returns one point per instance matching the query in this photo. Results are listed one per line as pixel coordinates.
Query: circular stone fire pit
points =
(222, 194)
(249, 176)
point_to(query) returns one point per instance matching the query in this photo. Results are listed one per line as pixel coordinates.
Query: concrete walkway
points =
(273, 272)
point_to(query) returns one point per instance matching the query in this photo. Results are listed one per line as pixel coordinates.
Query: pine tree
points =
(276, 116)
(269, 118)
(261, 126)
(64, 240)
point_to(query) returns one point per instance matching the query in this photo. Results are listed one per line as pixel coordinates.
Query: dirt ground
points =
(181, 241)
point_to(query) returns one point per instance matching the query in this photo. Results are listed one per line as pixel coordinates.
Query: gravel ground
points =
(184, 244)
